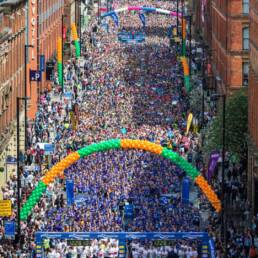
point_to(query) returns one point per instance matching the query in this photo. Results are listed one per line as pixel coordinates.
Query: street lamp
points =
(99, 3)
(80, 23)
(189, 18)
(25, 92)
(177, 20)
(223, 210)
(62, 38)
(81, 16)
(182, 21)
(18, 165)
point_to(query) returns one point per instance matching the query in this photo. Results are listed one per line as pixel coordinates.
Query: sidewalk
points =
(10, 149)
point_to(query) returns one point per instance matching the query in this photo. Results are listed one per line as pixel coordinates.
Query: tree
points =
(236, 127)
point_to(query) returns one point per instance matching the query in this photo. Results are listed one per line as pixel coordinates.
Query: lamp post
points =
(62, 38)
(190, 44)
(25, 93)
(177, 20)
(224, 202)
(81, 18)
(80, 24)
(203, 82)
(18, 166)
(99, 11)
(182, 21)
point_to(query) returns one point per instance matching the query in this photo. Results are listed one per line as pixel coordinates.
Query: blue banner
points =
(42, 63)
(212, 249)
(70, 191)
(123, 235)
(142, 17)
(128, 211)
(9, 229)
(35, 76)
(170, 31)
(185, 190)
(115, 18)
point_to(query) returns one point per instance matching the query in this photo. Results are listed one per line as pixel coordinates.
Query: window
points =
(246, 38)
(245, 6)
(245, 71)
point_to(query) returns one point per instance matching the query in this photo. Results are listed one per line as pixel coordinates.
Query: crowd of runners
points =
(117, 91)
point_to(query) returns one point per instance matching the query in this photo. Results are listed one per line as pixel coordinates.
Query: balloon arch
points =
(58, 169)
(141, 8)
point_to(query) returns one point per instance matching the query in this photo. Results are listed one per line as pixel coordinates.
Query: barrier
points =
(59, 168)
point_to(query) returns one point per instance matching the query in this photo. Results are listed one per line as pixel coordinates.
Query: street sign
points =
(10, 160)
(48, 148)
(5, 208)
(9, 229)
(42, 63)
(35, 76)
(68, 95)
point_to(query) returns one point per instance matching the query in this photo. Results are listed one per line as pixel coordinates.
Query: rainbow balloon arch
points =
(58, 169)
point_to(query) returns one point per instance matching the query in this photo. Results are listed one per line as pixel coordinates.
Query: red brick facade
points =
(225, 38)
(229, 56)
(45, 19)
(46, 29)
(12, 37)
(253, 82)
(253, 108)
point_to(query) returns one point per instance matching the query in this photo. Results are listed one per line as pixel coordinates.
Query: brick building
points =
(227, 37)
(230, 42)
(253, 108)
(12, 38)
(44, 27)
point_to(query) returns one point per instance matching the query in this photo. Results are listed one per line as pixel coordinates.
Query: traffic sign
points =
(48, 148)
(9, 229)
(35, 76)
(5, 208)
(42, 63)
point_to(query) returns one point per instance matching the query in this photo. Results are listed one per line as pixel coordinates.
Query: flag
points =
(189, 121)
(70, 191)
(185, 190)
(115, 18)
(142, 18)
(212, 164)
